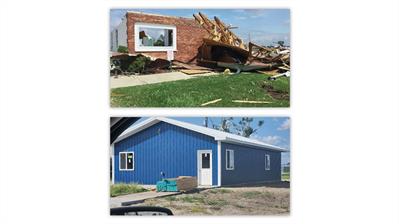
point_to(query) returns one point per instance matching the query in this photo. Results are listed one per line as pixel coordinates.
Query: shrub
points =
(121, 189)
(123, 49)
(139, 64)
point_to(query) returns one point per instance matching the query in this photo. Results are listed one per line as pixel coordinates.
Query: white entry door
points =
(204, 167)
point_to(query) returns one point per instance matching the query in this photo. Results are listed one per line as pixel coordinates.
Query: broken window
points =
(155, 37)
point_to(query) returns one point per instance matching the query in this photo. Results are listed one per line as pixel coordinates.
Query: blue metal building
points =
(162, 147)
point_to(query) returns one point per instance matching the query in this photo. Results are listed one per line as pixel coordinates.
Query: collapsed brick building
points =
(203, 42)
(159, 36)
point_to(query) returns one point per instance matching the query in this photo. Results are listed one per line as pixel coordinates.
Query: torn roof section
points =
(216, 134)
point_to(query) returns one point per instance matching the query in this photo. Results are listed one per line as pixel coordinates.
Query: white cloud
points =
(285, 125)
(272, 139)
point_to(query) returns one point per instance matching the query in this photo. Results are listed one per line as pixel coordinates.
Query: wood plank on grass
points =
(211, 102)
(250, 101)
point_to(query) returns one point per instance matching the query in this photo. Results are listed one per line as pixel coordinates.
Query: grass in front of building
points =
(196, 91)
(285, 176)
(122, 189)
(228, 201)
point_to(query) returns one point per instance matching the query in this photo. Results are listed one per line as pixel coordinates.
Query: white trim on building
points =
(216, 134)
(138, 47)
(126, 161)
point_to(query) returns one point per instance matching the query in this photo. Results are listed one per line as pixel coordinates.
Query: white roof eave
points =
(217, 135)
(257, 144)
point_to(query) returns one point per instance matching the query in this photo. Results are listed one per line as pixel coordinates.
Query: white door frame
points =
(199, 164)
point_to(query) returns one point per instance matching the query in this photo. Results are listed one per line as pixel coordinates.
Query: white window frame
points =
(231, 156)
(139, 48)
(267, 162)
(126, 169)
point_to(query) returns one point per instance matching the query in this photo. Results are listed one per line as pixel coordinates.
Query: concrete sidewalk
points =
(136, 80)
(131, 199)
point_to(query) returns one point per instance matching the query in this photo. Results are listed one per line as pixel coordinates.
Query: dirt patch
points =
(276, 94)
(259, 200)
(113, 94)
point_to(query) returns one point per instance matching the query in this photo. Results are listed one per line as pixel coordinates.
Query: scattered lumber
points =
(244, 67)
(279, 55)
(250, 101)
(268, 73)
(186, 183)
(211, 102)
(223, 46)
(274, 77)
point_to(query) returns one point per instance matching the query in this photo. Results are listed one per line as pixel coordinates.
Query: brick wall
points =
(189, 34)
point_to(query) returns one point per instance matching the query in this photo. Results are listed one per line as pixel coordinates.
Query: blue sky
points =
(264, 26)
(275, 130)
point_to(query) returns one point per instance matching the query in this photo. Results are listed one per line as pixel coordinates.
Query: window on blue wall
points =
(267, 162)
(126, 161)
(229, 159)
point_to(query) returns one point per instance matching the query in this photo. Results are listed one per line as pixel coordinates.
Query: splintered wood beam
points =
(207, 21)
(218, 31)
(228, 35)
(209, 26)
(198, 19)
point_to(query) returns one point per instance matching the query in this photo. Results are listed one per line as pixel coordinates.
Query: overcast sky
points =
(264, 26)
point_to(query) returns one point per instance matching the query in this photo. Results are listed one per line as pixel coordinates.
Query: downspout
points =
(113, 163)
(219, 163)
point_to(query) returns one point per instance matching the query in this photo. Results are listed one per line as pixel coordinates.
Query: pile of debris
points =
(223, 48)
(278, 57)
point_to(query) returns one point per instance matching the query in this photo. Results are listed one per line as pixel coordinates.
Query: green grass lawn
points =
(285, 176)
(196, 91)
(122, 189)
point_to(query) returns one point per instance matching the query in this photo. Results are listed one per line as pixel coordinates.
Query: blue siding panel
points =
(249, 165)
(163, 147)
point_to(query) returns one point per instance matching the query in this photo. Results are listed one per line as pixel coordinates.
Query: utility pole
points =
(249, 37)
(206, 122)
